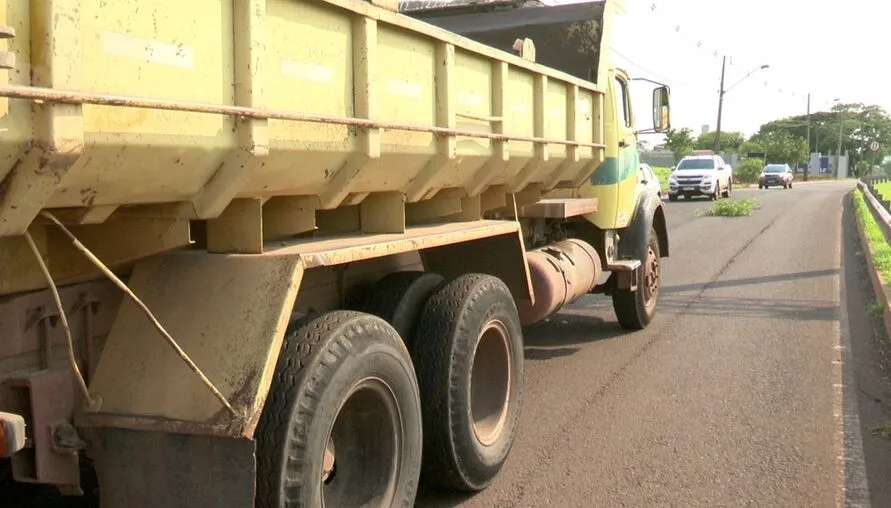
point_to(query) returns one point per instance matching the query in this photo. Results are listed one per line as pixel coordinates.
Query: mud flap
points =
(139, 469)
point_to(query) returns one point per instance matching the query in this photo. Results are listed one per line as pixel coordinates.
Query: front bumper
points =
(772, 182)
(676, 189)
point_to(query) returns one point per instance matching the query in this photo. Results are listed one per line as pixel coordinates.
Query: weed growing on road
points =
(731, 208)
(882, 429)
(880, 248)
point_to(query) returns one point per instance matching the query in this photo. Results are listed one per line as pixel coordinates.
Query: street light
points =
(721, 97)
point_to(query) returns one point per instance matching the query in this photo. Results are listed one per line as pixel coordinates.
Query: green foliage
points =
(782, 147)
(748, 170)
(861, 168)
(662, 174)
(881, 251)
(731, 208)
(884, 190)
(730, 141)
(751, 147)
(679, 141)
(858, 124)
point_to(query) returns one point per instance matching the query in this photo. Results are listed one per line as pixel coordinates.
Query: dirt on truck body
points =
(270, 252)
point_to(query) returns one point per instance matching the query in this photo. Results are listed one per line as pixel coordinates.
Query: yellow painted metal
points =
(245, 302)
(229, 314)
(342, 58)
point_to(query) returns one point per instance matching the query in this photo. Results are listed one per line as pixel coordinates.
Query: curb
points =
(879, 286)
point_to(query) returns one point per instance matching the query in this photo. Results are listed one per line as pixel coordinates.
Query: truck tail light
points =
(12, 434)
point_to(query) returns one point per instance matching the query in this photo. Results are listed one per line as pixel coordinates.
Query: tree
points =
(730, 141)
(680, 142)
(748, 170)
(859, 125)
(782, 147)
(751, 147)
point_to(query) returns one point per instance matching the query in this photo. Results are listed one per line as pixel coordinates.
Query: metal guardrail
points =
(878, 205)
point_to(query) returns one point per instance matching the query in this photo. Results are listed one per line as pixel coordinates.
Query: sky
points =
(828, 49)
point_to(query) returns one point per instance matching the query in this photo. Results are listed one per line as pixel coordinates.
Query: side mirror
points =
(661, 110)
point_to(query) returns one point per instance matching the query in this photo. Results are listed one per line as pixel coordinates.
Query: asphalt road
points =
(741, 392)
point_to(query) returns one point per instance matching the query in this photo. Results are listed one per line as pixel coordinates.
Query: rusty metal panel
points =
(228, 313)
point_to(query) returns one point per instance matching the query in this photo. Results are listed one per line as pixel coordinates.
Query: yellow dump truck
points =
(282, 252)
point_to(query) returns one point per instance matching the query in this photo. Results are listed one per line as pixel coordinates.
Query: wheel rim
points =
(363, 454)
(490, 381)
(651, 279)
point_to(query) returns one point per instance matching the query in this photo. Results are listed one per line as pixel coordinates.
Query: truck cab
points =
(701, 174)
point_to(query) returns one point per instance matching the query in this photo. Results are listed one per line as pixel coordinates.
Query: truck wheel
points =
(672, 197)
(469, 359)
(342, 422)
(728, 190)
(399, 297)
(635, 309)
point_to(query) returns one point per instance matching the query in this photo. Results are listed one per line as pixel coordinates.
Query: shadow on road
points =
(799, 310)
(561, 334)
(750, 281)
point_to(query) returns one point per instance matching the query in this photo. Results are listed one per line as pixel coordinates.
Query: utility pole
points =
(720, 107)
(841, 127)
(808, 168)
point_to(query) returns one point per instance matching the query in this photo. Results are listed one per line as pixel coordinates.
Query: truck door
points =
(628, 159)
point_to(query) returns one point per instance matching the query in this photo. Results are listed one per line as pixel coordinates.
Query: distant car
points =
(647, 177)
(704, 174)
(776, 175)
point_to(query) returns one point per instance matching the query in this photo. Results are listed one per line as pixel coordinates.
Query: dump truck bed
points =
(201, 103)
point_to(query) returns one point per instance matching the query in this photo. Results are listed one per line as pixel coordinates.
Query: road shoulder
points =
(867, 392)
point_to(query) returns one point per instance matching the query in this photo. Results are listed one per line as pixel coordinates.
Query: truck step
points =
(623, 265)
(559, 208)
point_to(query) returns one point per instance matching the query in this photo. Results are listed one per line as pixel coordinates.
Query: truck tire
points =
(343, 379)
(399, 297)
(635, 309)
(469, 360)
(729, 189)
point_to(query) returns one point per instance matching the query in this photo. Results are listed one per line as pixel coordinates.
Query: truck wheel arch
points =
(649, 213)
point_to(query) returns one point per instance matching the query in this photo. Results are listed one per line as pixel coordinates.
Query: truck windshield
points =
(697, 164)
(774, 169)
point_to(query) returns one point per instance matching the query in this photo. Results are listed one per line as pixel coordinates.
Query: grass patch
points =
(730, 208)
(884, 190)
(876, 309)
(880, 248)
(882, 429)
(663, 174)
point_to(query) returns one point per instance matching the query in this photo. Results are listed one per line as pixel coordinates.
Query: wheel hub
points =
(651, 278)
(490, 383)
(361, 470)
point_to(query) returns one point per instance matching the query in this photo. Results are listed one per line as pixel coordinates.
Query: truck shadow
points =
(750, 281)
(564, 333)
(759, 308)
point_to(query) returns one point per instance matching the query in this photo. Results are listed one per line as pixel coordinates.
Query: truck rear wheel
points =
(635, 309)
(342, 422)
(399, 297)
(469, 359)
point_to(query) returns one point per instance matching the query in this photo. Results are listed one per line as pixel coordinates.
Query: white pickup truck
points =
(701, 175)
